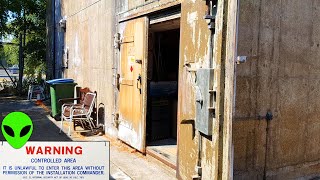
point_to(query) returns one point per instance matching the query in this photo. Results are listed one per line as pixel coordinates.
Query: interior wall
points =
(281, 40)
(89, 39)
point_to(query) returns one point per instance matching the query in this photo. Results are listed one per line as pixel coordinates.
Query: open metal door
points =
(132, 92)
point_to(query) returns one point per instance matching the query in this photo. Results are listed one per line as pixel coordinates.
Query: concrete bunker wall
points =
(281, 40)
(89, 39)
(281, 76)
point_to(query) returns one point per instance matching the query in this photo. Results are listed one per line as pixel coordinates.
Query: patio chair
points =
(79, 112)
(34, 90)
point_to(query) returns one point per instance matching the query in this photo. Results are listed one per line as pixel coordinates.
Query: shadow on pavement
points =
(43, 128)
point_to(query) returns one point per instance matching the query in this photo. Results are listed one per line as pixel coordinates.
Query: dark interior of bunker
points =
(163, 85)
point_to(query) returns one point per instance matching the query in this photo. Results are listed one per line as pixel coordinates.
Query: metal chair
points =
(81, 112)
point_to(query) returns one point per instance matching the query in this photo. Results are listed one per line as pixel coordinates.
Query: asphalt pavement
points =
(125, 162)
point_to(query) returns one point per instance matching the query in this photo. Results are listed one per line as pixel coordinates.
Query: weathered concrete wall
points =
(89, 38)
(282, 42)
(281, 39)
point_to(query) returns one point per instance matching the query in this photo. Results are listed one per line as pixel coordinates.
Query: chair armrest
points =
(77, 106)
(72, 105)
(80, 113)
(67, 99)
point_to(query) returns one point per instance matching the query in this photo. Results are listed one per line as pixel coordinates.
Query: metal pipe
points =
(199, 149)
(211, 36)
(54, 40)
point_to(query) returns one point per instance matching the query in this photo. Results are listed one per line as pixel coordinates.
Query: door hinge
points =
(116, 43)
(116, 121)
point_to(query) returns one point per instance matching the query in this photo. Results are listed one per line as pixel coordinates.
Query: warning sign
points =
(55, 160)
(131, 60)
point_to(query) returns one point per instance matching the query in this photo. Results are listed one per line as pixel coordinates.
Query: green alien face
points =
(17, 128)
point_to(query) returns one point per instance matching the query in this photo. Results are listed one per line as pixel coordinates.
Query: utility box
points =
(205, 101)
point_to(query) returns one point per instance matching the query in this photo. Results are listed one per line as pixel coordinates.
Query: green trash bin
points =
(60, 90)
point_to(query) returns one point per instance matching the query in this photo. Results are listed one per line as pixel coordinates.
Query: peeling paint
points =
(128, 135)
(199, 39)
(77, 54)
(192, 20)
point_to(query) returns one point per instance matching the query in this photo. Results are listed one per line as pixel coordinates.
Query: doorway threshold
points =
(165, 151)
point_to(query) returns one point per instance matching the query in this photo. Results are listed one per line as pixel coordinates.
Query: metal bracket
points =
(198, 170)
(117, 40)
(191, 66)
(211, 16)
(241, 59)
(117, 81)
(139, 61)
(116, 120)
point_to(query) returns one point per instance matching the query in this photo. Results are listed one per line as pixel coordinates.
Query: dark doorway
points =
(163, 66)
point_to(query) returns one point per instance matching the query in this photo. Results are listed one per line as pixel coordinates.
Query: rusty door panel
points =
(132, 87)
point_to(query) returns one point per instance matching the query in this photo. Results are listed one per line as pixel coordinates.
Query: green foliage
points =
(27, 17)
(3, 16)
(10, 53)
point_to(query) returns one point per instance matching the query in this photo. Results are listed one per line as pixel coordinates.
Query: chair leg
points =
(90, 124)
(61, 124)
(81, 122)
(74, 125)
(69, 131)
(30, 93)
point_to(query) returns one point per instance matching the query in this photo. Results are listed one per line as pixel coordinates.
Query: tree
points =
(27, 17)
(3, 16)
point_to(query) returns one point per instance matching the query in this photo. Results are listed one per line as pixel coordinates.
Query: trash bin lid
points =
(60, 81)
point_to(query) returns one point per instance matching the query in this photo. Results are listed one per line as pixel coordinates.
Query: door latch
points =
(139, 79)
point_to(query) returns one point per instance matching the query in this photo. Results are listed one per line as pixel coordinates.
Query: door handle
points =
(139, 82)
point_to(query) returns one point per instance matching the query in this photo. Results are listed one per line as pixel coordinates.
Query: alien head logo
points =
(17, 128)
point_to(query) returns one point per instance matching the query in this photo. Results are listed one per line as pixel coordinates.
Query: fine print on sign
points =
(55, 160)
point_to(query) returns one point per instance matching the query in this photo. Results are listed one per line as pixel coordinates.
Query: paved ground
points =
(125, 163)
(44, 128)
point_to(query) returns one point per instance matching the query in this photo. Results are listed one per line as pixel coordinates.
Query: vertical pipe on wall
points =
(54, 39)
(212, 29)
